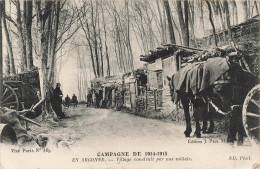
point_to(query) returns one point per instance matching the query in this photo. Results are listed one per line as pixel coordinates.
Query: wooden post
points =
(179, 62)
(146, 103)
(155, 101)
(130, 95)
(113, 101)
(136, 93)
(1, 53)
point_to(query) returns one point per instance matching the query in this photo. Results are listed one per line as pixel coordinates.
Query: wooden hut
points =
(160, 64)
(104, 90)
(134, 88)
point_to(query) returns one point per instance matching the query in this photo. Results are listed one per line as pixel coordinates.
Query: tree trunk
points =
(100, 48)
(183, 24)
(9, 44)
(7, 63)
(105, 32)
(161, 22)
(218, 15)
(225, 3)
(168, 12)
(191, 16)
(249, 8)
(211, 22)
(128, 43)
(87, 35)
(44, 24)
(245, 9)
(22, 45)
(235, 12)
(186, 9)
(1, 53)
(93, 21)
(256, 7)
(28, 29)
(201, 17)
(54, 43)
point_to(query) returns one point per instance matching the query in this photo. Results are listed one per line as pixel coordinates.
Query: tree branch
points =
(9, 18)
(67, 38)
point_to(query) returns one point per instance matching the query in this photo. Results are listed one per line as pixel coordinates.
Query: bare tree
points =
(211, 21)
(82, 13)
(235, 16)
(105, 34)
(27, 22)
(1, 53)
(162, 26)
(21, 36)
(226, 8)
(9, 44)
(200, 4)
(256, 7)
(45, 23)
(245, 9)
(7, 63)
(218, 14)
(168, 12)
(184, 24)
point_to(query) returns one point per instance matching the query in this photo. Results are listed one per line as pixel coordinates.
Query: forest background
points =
(74, 41)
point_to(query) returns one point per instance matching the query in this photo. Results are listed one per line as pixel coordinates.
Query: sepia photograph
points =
(129, 84)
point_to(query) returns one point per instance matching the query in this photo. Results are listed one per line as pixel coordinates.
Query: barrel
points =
(8, 135)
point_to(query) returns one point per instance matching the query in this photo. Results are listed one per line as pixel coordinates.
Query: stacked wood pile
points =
(246, 28)
(30, 77)
(27, 88)
(245, 36)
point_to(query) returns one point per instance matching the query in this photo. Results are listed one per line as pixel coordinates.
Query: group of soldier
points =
(56, 101)
(73, 100)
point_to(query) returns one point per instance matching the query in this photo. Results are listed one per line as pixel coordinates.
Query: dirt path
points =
(89, 126)
(88, 133)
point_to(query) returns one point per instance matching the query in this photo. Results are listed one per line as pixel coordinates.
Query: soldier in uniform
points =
(56, 101)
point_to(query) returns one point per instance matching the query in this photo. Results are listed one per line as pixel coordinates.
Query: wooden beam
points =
(184, 47)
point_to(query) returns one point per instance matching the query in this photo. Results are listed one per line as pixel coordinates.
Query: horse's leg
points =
(205, 121)
(211, 125)
(232, 131)
(185, 104)
(197, 121)
(240, 127)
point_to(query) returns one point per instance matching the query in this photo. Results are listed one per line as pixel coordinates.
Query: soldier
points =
(89, 99)
(56, 101)
(67, 101)
(74, 100)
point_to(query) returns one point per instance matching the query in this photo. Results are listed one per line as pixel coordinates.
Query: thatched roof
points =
(168, 50)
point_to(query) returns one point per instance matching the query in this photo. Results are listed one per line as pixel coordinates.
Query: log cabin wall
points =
(158, 92)
(167, 103)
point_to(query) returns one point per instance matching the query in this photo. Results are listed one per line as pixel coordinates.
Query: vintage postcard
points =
(133, 84)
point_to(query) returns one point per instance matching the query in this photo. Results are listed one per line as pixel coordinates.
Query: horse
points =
(221, 81)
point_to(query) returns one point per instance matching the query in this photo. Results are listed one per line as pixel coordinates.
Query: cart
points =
(18, 95)
(251, 114)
